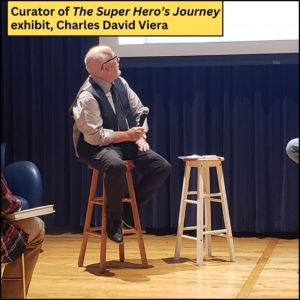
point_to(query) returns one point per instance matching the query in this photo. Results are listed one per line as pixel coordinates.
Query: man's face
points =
(111, 65)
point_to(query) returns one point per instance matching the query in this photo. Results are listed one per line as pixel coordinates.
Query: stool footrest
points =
(93, 229)
(205, 194)
(192, 193)
(188, 237)
(94, 233)
(126, 200)
(215, 232)
(190, 228)
(195, 201)
(190, 201)
(193, 227)
(97, 231)
(204, 233)
(212, 195)
(127, 231)
(214, 200)
(98, 200)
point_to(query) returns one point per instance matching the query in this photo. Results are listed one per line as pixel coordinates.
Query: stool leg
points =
(207, 210)
(121, 252)
(200, 194)
(136, 218)
(103, 232)
(182, 209)
(23, 275)
(225, 212)
(88, 217)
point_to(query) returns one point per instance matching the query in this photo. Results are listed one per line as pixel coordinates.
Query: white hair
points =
(94, 56)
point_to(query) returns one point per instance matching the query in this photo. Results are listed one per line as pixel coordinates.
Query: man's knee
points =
(167, 167)
(35, 227)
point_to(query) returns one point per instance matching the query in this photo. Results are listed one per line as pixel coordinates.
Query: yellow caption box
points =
(115, 18)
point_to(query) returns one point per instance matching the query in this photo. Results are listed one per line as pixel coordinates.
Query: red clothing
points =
(13, 239)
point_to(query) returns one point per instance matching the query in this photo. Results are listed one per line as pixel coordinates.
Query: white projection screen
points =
(250, 27)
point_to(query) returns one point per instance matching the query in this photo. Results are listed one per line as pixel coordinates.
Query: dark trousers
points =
(153, 168)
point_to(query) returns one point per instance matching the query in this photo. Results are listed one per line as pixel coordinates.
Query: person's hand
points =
(135, 133)
(142, 145)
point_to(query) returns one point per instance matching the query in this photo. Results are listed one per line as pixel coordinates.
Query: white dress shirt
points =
(88, 118)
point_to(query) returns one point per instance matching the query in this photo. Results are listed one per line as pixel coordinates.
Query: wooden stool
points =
(101, 231)
(22, 278)
(203, 202)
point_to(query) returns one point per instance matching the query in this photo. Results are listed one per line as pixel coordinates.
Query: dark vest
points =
(86, 150)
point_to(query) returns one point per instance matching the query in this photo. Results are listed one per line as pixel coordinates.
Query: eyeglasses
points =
(114, 57)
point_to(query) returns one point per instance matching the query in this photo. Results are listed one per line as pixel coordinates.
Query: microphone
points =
(143, 116)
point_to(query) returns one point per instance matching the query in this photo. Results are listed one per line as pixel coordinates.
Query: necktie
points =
(119, 109)
(129, 149)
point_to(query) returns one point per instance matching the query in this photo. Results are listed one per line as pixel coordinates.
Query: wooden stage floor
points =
(264, 268)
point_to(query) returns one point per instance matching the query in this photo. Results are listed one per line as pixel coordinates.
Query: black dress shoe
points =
(114, 231)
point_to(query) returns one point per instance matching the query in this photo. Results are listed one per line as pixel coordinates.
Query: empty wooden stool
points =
(203, 203)
(101, 231)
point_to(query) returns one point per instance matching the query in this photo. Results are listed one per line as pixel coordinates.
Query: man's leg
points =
(14, 289)
(155, 169)
(110, 162)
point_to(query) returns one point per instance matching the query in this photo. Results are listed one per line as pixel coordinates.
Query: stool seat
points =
(203, 164)
(101, 231)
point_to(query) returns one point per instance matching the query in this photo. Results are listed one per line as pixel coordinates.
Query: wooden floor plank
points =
(249, 284)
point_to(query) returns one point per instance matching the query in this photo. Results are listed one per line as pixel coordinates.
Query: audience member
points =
(17, 237)
(292, 150)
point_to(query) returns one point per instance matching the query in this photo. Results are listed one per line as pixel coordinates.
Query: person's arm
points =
(89, 121)
(9, 203)
(88, 118)
(131, 135)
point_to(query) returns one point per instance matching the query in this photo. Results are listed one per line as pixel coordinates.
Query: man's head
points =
(100, 61)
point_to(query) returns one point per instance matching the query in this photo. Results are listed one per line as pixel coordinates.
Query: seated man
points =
(18, 237)
(107, 130)
(292, 150)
